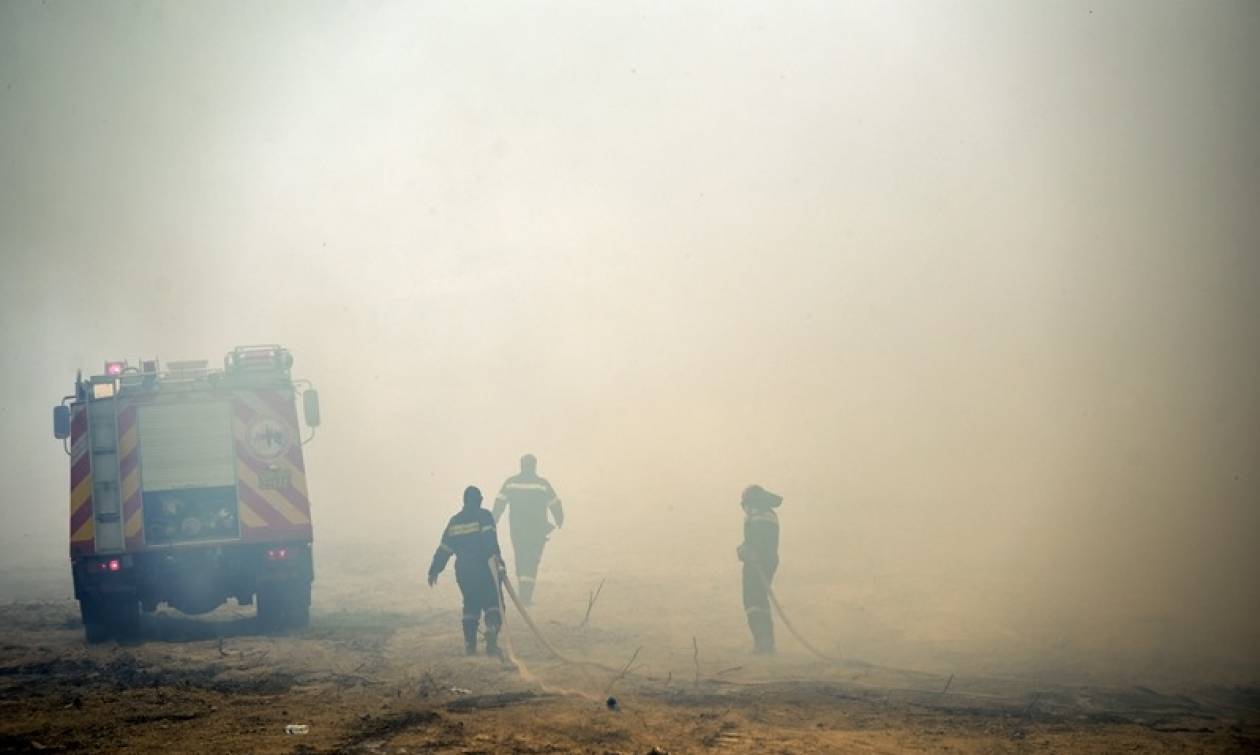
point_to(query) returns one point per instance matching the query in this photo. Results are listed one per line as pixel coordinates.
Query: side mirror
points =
(310, 407)
(61, 422)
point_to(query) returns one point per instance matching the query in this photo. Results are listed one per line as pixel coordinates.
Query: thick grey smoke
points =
(974, 287)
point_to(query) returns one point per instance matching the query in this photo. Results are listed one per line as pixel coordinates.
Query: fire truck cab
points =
(188, 487)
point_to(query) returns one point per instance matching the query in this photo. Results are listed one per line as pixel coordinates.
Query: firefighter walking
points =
(530, 499)
(471, 538)
(760, 554)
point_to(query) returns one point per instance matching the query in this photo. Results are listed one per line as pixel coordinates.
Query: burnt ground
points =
(381, 669)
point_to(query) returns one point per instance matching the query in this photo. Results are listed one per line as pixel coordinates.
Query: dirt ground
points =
(381, 669)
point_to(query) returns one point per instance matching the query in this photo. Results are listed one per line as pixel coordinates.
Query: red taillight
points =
(114, 368)
(277, 554)
(111, 565)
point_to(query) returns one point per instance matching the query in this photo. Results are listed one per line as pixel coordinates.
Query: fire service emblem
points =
(268, 438)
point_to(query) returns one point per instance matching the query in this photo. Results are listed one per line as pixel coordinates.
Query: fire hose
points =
(778, 609)
(506, 586)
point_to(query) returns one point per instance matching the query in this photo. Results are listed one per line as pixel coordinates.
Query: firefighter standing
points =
(530, 498)
(760, 554)
(470, 537)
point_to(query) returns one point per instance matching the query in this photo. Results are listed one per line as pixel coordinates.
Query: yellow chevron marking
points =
(246, 476)
(86, 531)
(127, 443)
(131, 484)
(249, 518)
(81, 493)
(263, 408)
(132, 528)
(297, 480)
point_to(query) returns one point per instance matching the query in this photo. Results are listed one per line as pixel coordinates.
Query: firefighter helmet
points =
(757, 497)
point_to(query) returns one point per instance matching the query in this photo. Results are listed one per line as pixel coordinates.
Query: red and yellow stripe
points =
(267, 511)
(129, 476)
(82, 527)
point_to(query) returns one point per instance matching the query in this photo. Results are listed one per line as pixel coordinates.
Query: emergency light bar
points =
(115, 368)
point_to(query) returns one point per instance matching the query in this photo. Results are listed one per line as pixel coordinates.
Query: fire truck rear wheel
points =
(106, 617)
(285, 605)
(95, 630)
(270, 616)
(125, 617)
(300, 606)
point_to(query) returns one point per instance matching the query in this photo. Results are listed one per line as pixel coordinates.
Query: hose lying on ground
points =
(778, 609)
(506, 586)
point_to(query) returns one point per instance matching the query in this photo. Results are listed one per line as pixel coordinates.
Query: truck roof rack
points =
(269, 357)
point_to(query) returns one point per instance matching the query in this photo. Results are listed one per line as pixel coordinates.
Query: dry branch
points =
(695, 657)
(590, 603)
(624, 670)
(1029, 709)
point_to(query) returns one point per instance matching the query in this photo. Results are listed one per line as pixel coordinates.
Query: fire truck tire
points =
(95, 633)
(300, 605)
(104, 618)
(284, 606)
(125, 617)
(270, 613)
(95, 629)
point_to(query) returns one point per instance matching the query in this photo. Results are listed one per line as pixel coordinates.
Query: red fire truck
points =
(187, 487)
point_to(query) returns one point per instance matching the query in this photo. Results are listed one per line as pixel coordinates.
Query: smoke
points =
(972, 287)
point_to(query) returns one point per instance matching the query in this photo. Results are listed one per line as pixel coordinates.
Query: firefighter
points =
(760, 554)
(531, 498)
(470, 537)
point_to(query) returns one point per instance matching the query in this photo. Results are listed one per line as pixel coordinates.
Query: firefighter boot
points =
(763, 633)
(470, 636)
(492, 642)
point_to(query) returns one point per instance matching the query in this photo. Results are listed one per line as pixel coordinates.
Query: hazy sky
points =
(982, 275)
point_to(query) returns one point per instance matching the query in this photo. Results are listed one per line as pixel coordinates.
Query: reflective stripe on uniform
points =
(524, 486)
(764, 516)
(524, 578)
(445, 547)
(464, 529)
(756, 609)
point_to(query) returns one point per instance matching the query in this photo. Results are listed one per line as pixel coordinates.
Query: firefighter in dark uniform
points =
(470, 537)
(760, 554)
(530, 498)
